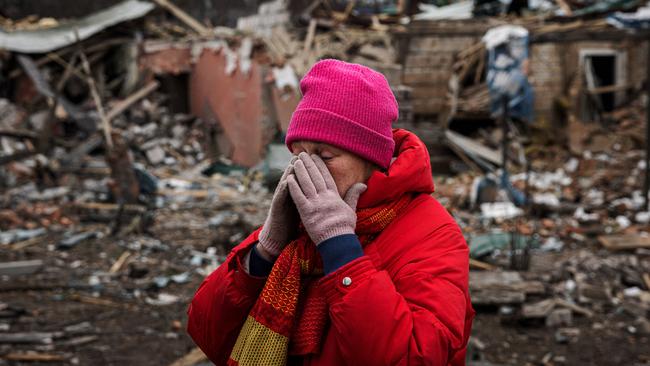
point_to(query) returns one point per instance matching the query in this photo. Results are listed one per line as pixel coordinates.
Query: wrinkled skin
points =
(345, 167)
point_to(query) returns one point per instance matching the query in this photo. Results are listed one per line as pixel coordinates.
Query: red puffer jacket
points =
(408, 303)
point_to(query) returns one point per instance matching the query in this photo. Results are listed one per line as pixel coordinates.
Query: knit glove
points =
(282, 220)
(324, 214)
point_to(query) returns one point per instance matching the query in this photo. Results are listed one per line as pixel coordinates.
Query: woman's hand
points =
(324, 214)
(282, 220)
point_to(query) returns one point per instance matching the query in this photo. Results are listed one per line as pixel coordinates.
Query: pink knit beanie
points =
(349, 106)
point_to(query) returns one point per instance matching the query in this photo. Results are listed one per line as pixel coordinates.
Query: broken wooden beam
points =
(543, 308)
(43, 87)
(495, 288)
(565, 7)
(624, 241)
(192, 358)
(540, 309)
(73, 240)
(16, 156)
(309, 39)
(44, 60)
(25, 243)
(20, 267)
(74, 157)
(102, 302)
(32, 356)
(474, 148)
(119, 263)
(123, 105)
(125, 186)
(184, 17)
(106, 126)
(78, 341)
(99, 206)
(576, 308)
(19, 134)
(29, 337)
(476, 264)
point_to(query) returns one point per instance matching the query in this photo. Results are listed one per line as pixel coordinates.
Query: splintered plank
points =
(20, 267)
(29, 337)
(494, 288)
(624, 241)
(34, 357)
(192, 358)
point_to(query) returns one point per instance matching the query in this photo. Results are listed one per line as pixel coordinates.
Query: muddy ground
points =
(112, 319)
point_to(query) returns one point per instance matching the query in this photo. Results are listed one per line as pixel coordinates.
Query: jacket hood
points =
(410, 172)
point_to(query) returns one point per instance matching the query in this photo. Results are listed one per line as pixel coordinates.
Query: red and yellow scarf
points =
(290, 315)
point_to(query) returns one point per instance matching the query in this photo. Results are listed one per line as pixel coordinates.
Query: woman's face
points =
(345, 167)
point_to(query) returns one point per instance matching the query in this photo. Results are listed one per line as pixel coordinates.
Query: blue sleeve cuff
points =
(258, 266)
(339, 251)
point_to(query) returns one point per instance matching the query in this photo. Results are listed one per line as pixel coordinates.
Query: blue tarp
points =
(639, 20)
(368, 7)
(507, 51)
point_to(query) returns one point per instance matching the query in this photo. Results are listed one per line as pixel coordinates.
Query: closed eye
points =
(326, 156)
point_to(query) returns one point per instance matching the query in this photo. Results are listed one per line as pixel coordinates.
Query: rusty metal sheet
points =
(45, 40)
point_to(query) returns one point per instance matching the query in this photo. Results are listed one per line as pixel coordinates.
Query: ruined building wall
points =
(555, 65)
(637, 56)
(545, 61)
(427, 68)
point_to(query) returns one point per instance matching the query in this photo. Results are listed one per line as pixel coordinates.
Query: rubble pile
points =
(575, 260)
(93, 270)
(112, 212)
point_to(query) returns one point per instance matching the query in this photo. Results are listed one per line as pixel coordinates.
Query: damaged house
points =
(600, 66)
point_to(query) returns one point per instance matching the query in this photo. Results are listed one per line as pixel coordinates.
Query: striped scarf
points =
(290, 315)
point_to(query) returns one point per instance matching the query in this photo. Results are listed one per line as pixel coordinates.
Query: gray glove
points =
(282, 220)
(324, 214)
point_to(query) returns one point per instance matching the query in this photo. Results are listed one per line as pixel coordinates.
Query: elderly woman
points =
(356, 263)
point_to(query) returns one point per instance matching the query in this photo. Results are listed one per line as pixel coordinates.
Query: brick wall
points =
(637, 58)
(427, 68)
(554, 65)
(429, 57)
(546, 65)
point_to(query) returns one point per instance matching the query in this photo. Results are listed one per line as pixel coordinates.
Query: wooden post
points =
(504, 126)
(646, 186)
(126, 188)
(197, 26)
